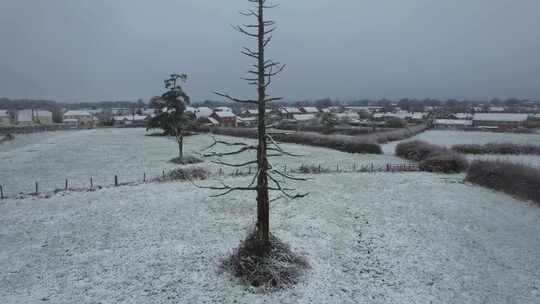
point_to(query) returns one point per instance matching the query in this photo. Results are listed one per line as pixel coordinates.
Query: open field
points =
(50, 158)
(426, 239)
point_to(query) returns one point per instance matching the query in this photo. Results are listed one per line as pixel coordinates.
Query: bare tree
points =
(267, 177)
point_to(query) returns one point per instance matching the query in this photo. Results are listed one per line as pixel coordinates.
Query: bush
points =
(351, 144)
(186, 160)
(445, 163)
(311, 169)
(432, 158)
(514, 179)
(497, 148)
(182, 174)
(276, 268)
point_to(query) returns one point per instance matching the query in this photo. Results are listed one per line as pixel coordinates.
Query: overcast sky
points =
(91, 50)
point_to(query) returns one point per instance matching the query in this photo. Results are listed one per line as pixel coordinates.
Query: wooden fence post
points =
(116, 180)
(371, 167)
(144, 177)
(66, 186)
(37, 188)
(91, 183)
(1, 192)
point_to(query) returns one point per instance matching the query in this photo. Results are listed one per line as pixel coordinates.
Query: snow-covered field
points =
(370, 238)
(449, 138)
(49, 158)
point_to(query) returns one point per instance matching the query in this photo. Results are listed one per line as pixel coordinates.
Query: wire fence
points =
(117, 181)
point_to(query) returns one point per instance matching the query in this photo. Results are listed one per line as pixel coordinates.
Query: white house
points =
(304, 117)
(203, 112)
(309, 110)
(82, 118)
(29, 116)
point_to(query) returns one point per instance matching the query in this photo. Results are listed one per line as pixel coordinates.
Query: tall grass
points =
(514, 179)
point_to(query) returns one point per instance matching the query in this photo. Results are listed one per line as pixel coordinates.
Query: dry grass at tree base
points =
(432, 158)
(186, 160)
(275, 268)
(183, 174)
(514, 179)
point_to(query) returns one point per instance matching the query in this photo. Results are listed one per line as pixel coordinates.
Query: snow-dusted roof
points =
(290, 110)
(130, 118)
(222, 109)
(512, 117)
(213, 121)
(4, 113)
(496, 109)
(463, 115)
(303, 117)
(77, 113)
(310, 109)
(203, 112)
(462, 122)
(224, 114)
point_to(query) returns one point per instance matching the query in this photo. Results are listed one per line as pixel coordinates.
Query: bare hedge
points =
(183, 174)
(514, 179)
(432, 158)
(351, 144)
(497, 148)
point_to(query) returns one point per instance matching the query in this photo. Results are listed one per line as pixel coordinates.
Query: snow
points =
(370, 238)
(515, 117)
(51, 157)
(77, 113)
(453, 122)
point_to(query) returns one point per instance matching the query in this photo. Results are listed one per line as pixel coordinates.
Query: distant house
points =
(5, 118)
(304, 117)
(499, 120)
(121, 111)
(496, 109)
(246, 121)
(309, 110)
(253, 112)
(452, 123)
(31, 116)
(82, 118)
(130, 121)
(369, 109)
(224, 118)
(203, 112)
(463, 115)
(289, 112)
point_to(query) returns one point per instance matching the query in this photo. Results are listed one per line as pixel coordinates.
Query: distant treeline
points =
(405, 103)
(19, 104)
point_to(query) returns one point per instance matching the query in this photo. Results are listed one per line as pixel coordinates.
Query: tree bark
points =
(263, 205)
(180, 140)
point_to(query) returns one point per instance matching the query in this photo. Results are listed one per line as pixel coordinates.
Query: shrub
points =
(432, 158)
(182, 174)
(276, 268)
(514, 179)
(311, 169)
(186, 160)
(497, 148)
(351, 144)
(445, 163)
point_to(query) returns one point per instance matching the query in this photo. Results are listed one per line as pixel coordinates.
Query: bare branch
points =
(236, 99)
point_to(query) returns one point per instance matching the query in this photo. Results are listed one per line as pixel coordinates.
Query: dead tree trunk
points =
(263, 201)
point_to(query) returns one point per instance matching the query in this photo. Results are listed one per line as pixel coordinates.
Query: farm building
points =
(304, 117)
(499, 120)
(224, 118)
(5, 118)
(130, 121)
(82, 118)
(452, 123)
(30, 116)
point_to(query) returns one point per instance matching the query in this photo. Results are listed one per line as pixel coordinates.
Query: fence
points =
(144, 178)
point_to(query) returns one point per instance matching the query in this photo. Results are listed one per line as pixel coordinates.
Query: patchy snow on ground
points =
(51, 157)
(370, 238)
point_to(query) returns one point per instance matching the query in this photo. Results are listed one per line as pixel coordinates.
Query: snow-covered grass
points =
(425, 239)
(49, 158)
(449, 138)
